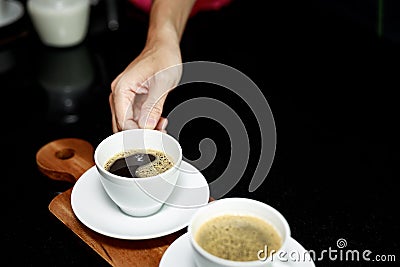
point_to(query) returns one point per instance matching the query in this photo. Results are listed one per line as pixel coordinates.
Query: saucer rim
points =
(177, 227)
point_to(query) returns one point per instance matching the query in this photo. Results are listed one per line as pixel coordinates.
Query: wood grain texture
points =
(117, 252)
(66, 160)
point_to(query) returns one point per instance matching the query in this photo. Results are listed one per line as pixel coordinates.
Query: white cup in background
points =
(243, 207)
(139, 196)
(60, 23)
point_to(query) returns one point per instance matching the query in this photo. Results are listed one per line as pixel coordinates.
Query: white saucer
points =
(13, 10)
(179, 253)
(95, 209)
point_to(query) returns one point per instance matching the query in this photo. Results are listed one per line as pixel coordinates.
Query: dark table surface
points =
(329, 77)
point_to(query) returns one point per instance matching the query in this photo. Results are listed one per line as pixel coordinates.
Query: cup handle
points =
(65, 159)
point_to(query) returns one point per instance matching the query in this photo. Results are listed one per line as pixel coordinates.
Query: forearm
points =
(168, 20)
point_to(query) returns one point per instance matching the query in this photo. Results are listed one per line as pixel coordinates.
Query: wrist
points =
(168, 18)
(165, 44)
(164, 35)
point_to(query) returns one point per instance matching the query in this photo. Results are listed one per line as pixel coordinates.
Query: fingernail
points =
(141, 90)
(164, 125)
(148, 123)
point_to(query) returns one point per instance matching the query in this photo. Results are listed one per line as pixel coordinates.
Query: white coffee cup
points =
(60, 23)
(237, 206)
(139, 196)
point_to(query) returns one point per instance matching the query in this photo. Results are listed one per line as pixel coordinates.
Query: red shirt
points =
(199, 5)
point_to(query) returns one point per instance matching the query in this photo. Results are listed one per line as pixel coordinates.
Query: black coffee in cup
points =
(140, 163)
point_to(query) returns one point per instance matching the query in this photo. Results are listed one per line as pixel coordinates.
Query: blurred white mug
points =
(60, 23)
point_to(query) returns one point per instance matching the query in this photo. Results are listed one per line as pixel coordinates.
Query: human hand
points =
(139, 92)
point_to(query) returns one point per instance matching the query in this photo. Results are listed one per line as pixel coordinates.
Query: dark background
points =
(328, 69)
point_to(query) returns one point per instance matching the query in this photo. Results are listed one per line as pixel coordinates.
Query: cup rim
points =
(174, 167)
(232, 263)
(50, 5)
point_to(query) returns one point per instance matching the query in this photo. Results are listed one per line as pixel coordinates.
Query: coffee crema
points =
(237, 237)
(139, 163)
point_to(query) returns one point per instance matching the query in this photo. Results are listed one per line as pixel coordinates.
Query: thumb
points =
(150, 113)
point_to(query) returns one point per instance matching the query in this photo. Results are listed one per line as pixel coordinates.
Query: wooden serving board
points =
(66, 160)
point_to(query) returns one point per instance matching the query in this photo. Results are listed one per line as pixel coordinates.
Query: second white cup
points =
(230, 226)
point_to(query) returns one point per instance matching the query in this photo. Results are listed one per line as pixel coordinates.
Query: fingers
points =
(162, 124)
(150, 115)
(113, 119)
(122, 113)
(127, 124)
(131, 122)
(138, 96)
(152, 106)
(122, 103)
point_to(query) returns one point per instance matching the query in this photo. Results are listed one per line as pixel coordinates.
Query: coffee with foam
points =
(238, 237)
(139, 163)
